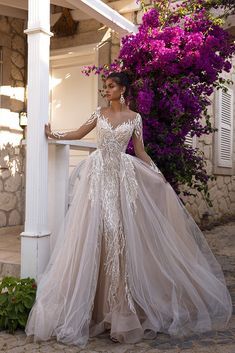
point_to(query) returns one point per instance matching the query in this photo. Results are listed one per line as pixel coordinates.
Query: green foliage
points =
(169, 9)
(16, 299)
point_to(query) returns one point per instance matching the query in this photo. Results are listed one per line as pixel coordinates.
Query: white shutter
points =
(225, 127)
(190, 141)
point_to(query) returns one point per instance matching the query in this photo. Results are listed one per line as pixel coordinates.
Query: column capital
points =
(38, 30)
(33, 235)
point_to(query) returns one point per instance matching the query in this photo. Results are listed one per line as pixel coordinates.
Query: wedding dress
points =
(129, 256)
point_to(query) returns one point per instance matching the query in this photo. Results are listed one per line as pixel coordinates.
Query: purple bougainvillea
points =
(174, 65)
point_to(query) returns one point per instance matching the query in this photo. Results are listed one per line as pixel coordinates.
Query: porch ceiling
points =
(97, 9)
(23, 4)
(103, 13)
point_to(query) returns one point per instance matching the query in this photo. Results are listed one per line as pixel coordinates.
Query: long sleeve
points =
(139, 145)
(78, 134)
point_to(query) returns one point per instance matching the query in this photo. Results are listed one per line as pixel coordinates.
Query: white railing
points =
(58, 178)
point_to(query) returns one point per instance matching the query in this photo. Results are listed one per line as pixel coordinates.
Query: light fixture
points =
(23, 121)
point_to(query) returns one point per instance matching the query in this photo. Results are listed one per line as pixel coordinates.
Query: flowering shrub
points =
(16, 299)
(174, 62)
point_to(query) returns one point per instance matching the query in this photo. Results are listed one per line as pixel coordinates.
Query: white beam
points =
(124, 6)
(35, 243)
(103, 13)
(62, 3)
(121, 6)
(13, 12)
(22, 4)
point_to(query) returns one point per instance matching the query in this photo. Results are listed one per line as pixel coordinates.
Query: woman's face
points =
(113, 91)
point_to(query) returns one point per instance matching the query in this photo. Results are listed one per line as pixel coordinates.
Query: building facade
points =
(79, 40)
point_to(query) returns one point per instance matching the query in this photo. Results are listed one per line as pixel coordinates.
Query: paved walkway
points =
(222, 242)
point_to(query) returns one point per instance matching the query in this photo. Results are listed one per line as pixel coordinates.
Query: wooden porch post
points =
(35, 238)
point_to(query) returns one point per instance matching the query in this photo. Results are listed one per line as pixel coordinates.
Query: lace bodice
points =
(112, 166)
(115, 139)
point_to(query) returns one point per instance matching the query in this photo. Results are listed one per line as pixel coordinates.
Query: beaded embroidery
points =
(92, 118)
(58, 134)
(105, 178)
(138, 131)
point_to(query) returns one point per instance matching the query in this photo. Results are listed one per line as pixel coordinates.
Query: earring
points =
(122, 99)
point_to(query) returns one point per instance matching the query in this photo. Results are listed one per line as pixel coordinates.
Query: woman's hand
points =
(48, 132)
(57, 135)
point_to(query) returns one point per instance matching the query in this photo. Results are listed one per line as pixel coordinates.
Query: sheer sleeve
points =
(92, 119)
(78, 134)
(138, 129)
(139, 145)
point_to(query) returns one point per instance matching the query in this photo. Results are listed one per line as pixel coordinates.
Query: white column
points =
(58, 180)
(35, 238)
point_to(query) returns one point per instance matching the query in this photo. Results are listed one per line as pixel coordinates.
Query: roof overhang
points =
(103, 13)
(96, 9)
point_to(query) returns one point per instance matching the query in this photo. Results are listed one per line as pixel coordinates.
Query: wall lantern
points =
(23, 121)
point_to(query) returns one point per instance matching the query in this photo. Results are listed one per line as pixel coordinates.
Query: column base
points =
(35, 252)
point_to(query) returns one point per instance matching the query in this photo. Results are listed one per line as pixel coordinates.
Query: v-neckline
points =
(119, 125)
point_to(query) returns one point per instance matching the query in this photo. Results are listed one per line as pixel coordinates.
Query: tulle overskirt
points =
(176, 283)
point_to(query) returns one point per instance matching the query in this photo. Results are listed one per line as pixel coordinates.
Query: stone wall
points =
(12, 186)
(12, 101)
(13, 42)
(222, 190)
(222, 193)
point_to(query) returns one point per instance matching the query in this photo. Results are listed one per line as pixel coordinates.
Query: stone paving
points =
(222, 242)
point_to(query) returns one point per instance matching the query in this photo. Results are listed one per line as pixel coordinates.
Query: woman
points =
(130, 258)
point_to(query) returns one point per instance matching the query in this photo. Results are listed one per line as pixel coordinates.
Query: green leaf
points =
(16, 301)
(22, 321)
(3, 299)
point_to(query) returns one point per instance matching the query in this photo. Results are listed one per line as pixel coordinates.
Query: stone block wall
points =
(12, 101)
(12, 186)
(222, 192)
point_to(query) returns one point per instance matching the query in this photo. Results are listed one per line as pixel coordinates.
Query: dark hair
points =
(122, 79)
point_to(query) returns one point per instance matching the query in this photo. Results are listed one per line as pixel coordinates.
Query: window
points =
(224, 118)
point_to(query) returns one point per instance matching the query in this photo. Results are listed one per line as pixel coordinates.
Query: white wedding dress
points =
(129, 256)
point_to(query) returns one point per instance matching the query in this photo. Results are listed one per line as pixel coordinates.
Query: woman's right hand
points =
(48, 132)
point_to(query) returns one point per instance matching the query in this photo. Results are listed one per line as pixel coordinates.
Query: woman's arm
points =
(138, 143)
(78, 134)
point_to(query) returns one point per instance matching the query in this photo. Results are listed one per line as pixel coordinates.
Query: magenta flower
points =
(174, 70)
(151, 19)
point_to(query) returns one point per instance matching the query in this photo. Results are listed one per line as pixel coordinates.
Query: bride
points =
(129, 257)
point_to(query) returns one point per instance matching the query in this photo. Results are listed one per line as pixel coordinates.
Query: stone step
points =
(10, 251)
(8, 269)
